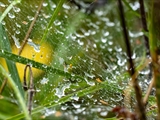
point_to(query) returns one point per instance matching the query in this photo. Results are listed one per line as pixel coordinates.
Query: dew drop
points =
(45, 4)
(64, 107)
(91, 83)
(121, 62)
(3, 23)
(2, 4)
(104, 40)
(16, 9)
(10, 15)
(106, 34)
(35, 46)
(66, 6)
(44, 81)
(16, 41)
(76, 105)
(75, 97)
(80, 42)
(30, 18)
(60, 92)
(57, 22)
(104, 113)
(18, 32)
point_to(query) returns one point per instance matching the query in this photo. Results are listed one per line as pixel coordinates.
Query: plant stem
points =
(16, 90)
(136, 86)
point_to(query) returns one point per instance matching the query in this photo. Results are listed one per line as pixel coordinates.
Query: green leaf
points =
(5, 45)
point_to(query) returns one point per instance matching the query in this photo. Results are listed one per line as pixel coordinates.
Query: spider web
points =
(90, 46)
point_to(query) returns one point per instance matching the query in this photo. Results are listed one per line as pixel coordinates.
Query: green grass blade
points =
(23, 60)
(17, 92)
(5, 45)
(130, 8)
(154, 38)
(55, 14)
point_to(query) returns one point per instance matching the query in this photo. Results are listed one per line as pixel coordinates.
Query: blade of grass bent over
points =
(17, 92)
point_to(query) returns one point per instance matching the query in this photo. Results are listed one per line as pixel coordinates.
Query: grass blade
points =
(5, 45)
(17, 92)
(55, 14)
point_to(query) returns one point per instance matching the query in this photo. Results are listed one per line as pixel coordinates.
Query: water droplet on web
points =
(30, 18)
(99, 13)
(134, 5)
(104, 40)
(16, 41)
(49, 112)
(80, 42)
(2, 4)
(2, 51)
(110, 42)
(75, 97)
(110, 24)
(106, 34)
(3, 23)
(89, 82)
(57, 22)
(38, 90)
(61, 60)
(134, 56)
(45, 4)
(103, 113)
(65, 6)
(64, 107)
(18, 32)
(18, 25)
(44, 81)
(145, 72)
(118, 49)
(60, 92)
(11, 15)
(76, 105)
(16, 9)
(135, 34)
(53, 6)
(35, 46)
(121, 62)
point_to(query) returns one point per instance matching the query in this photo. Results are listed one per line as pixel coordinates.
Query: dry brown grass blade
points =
(30, 28)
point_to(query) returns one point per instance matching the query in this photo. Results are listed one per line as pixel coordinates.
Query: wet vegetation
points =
(79, 60)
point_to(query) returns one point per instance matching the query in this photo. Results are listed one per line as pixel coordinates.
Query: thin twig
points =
(136, 86)
(30, 28)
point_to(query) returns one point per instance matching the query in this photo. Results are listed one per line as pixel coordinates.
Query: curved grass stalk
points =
(8, 9)
(17, 92)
